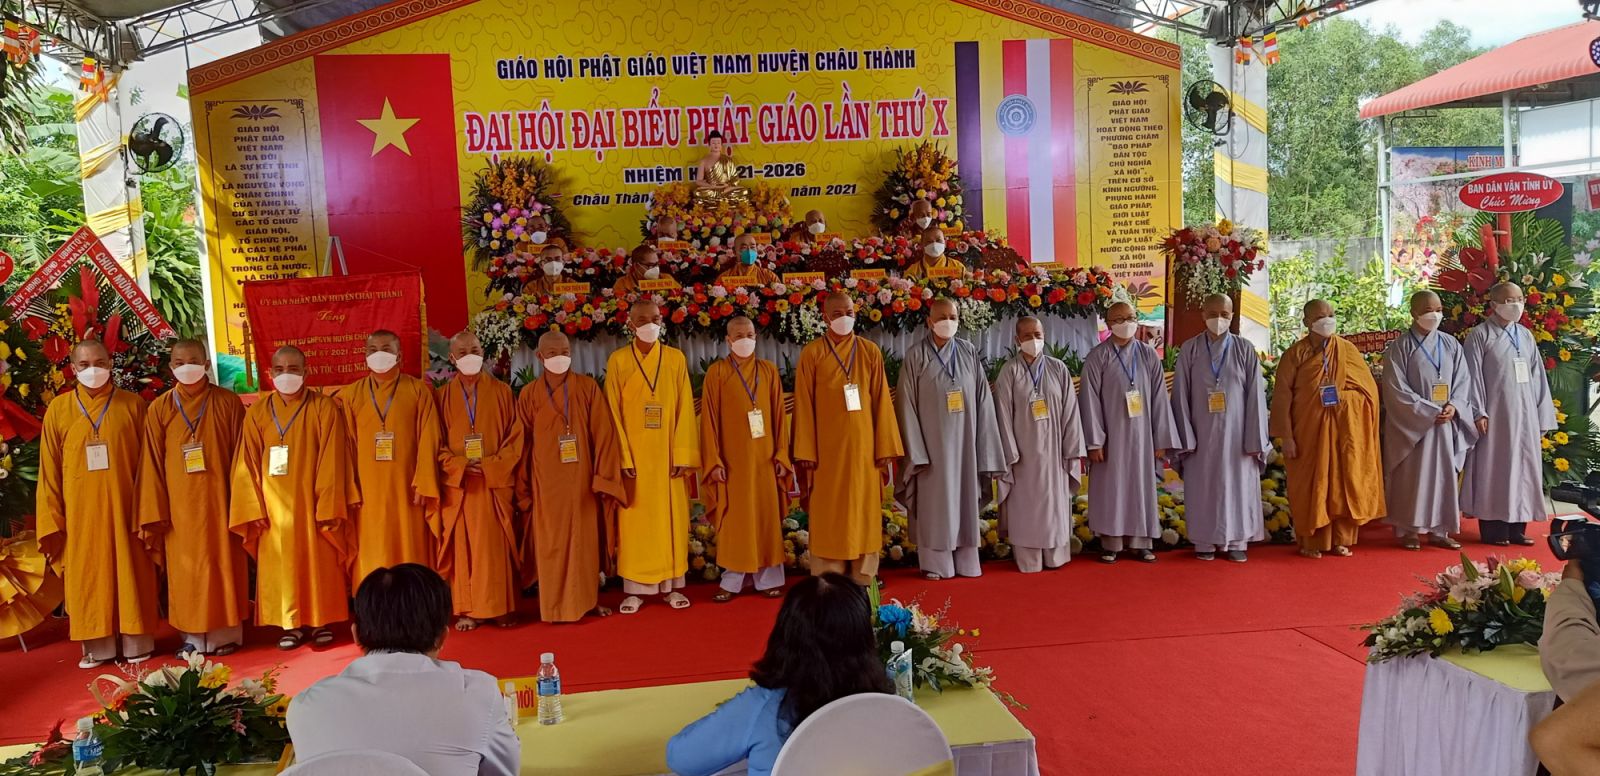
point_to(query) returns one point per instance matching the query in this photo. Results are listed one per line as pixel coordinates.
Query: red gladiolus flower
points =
(1085, 298)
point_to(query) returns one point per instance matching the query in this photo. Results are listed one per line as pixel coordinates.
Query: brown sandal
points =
(722, 597)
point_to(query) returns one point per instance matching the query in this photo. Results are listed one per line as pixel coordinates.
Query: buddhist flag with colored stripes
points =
(1015, 143)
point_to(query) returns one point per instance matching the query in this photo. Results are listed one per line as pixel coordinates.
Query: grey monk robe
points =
(1504, 476)
(1219, 405)
(1043, 445)
(1422, 458)
(1122, 489)
(947, 423)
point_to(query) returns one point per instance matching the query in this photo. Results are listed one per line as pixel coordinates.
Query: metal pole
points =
(1384, 193)
(1505, 127)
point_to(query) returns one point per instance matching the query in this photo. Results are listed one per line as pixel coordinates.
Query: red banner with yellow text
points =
(85, 244)
(329, 318)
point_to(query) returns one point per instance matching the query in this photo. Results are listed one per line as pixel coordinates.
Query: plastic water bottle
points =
(549, 690)
(87, 750)
(900, 671)
(510, 698)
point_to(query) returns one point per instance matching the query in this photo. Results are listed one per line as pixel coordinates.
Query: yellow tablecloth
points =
(625, 732)
(1515, 666)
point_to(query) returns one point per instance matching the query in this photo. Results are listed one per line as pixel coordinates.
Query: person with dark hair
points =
(821, 649)
(400, 697)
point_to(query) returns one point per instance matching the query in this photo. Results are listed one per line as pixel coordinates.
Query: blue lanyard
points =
(1437, 359)
(472, 406)
(194, 425)
(949, 366)
(849, 371)
(1035, 373)
(748, 390)
(1511, 331)
(94, 423)
(566, 402)
(283, 428)
(1133, 371)
(1216, 363)
(1327, 375)
(383, 414)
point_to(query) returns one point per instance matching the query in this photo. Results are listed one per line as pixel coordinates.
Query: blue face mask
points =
(747, 256)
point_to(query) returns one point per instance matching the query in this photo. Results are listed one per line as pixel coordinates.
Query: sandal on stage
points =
(776, 592)
(1205, 556)
(291, 639)
(224, 650)
(631, 604)
(932, 577)
(1145, 556)
(88, 663)
(1342, 551)
(136, 660)
(722, 597)
(464, 624)
(678, 601)
(1524, 541)
(1411, 543)
(1313, 554)
(1445, 542)
(321, 637)
(1108, 557)
(507, 621)
(1499, 543)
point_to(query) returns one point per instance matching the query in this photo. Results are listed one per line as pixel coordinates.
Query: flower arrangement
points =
(184, 718)
(1213, 258)
(1472, 606)
(506, 195)
(705, 225)
(925, 172)
(939, 659)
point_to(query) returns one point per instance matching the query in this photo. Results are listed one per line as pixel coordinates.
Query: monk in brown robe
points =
(480, 458)
(1325, 409)
(185, 484)
(89, 453)
(845, 439)
(744, 267)
(644, 264)
(552, 263)
(394, 435)
(930, 256)
(572, 464)
(291, 505)
(744, 450)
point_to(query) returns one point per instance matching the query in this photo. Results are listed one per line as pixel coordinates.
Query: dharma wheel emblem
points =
(1016, 114)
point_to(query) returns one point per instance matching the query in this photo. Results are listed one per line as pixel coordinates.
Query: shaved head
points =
(837, 304)
(1316, 308)
(740, 324)
(190, 347)
(90, 348)
(943, 304)
(1119, 312)
(1506, 291)
(1425, 302)
(644, 311)
(465, 342)
(289, 352)
(1029, 328)
(554, 343)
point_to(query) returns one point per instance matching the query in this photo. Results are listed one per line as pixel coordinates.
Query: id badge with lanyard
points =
(278, 454)
(567, 443)
(97, 455)
(194, 453)
(472, 443)
(756, 420)
(383, 439)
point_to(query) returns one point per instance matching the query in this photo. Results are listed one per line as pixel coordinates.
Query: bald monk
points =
(745, 267)
(571, 466)
(810, 229)
(480, 455)
(291, 505)
(652, 405)
(1325, 409)
(845, 438)
(394, 434)
(89, 455)
(744, 449)
(918, 217)
(185, 484)
(643, 264)
(552, 262)
(930, 256)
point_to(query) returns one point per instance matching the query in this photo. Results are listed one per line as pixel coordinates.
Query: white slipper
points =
(88, 663)
(631, 604)
(678, 601)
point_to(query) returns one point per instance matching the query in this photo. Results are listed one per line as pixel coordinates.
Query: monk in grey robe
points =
(1427, 428)
(952, 448)
(1219, 405)
(1127, 427)
(1503, 483)
(1042, 439)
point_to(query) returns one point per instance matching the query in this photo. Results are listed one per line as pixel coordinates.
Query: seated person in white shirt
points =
(400, 697)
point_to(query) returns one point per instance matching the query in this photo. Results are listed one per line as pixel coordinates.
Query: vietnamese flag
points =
(389, 153)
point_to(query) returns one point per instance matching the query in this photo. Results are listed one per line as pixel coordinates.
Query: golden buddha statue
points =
(719, 177)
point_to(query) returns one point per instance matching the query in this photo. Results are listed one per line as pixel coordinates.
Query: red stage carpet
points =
(1180, 667)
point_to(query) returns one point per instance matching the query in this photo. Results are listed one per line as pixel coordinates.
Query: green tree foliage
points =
(1322, 158)
(1360, 298)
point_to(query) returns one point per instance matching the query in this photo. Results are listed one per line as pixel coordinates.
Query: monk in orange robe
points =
(291, 504)
(394, 435)
(930, 256)
(87, 503)
(572, 464)
(185, 484)
(644, 264)
(480, 457)
(744, 267)
(844, 429)
(1325, 409)
(744, 450)
(552, 262)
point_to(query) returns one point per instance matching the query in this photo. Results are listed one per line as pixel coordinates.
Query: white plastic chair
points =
(356, 762)
(870, 734)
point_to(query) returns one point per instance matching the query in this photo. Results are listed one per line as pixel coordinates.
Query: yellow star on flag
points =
(388, 130)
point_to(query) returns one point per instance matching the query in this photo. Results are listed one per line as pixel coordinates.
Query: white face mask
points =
(537, 238)
(1429, 321)
(381, 361)
(1219, 326)
(1032, 347)
(552, 268)
(93, 377)
(946, 329)
(1125, 330)
(470, 364)
(922, 223)
(189, 374)
(649, 332)
(653, 272)
(817, 228)
(934, 250)
(287, 383)
(1325, 327)
(558, 365)
(1510, 312)
(843, 325)
(743, 347)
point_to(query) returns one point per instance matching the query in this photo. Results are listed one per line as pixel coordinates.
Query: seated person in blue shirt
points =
(821, 649)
